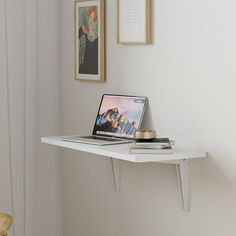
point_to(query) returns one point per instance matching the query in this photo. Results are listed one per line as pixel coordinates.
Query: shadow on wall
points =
(147, 119)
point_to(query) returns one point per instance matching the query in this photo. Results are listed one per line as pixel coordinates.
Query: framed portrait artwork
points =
(89, 40)
(134, 22)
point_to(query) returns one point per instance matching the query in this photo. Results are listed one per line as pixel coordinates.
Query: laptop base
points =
(96, 140)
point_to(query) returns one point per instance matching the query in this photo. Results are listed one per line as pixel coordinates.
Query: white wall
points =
(5, 182)
(48, 214)
(189, 76)
(30, 108)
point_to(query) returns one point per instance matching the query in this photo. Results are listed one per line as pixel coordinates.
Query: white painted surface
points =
(29, 88)
(5, 180)
(184, 184)
(189, 76)
(122, 151)
(47, 163)
(116, 173)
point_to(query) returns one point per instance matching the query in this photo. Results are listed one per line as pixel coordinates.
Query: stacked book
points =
(153, 146)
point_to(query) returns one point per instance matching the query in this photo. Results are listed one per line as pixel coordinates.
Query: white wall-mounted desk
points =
(179, 157)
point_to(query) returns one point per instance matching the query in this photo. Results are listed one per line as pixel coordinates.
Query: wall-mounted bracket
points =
(116, 173)
(184, 183)
(182, 175)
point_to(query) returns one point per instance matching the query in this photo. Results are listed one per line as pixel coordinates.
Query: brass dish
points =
(145, 134)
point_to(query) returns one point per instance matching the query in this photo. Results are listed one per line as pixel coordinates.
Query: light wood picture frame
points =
(89, 39)
(134, 22)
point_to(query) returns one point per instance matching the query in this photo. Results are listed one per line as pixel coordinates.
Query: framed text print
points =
(134, 21)
(89, 40)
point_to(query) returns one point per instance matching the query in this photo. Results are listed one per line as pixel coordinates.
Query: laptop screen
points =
(119, 116)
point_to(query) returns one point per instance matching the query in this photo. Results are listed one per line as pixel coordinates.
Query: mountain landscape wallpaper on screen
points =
(116, 122)
(119, 115)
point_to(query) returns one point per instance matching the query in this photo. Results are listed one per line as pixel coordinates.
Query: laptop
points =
(117, 120)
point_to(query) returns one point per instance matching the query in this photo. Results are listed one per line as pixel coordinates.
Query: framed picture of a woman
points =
(89, 40)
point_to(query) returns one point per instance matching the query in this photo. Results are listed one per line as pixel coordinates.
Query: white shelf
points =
(179, 157)
(121, 151)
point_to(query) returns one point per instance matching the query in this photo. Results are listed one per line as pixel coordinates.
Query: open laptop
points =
(118, 119)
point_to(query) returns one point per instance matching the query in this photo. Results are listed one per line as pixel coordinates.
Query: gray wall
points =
(188, 73)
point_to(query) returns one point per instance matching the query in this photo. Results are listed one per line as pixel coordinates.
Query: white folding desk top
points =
(179, 157)
(121, 151)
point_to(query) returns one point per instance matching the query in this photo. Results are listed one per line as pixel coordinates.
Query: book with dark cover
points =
(153, 141)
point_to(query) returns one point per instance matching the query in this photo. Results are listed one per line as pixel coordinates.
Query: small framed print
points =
(134, 19)
(89, 40)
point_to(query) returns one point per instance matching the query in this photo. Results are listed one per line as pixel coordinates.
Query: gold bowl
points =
(145, 134)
